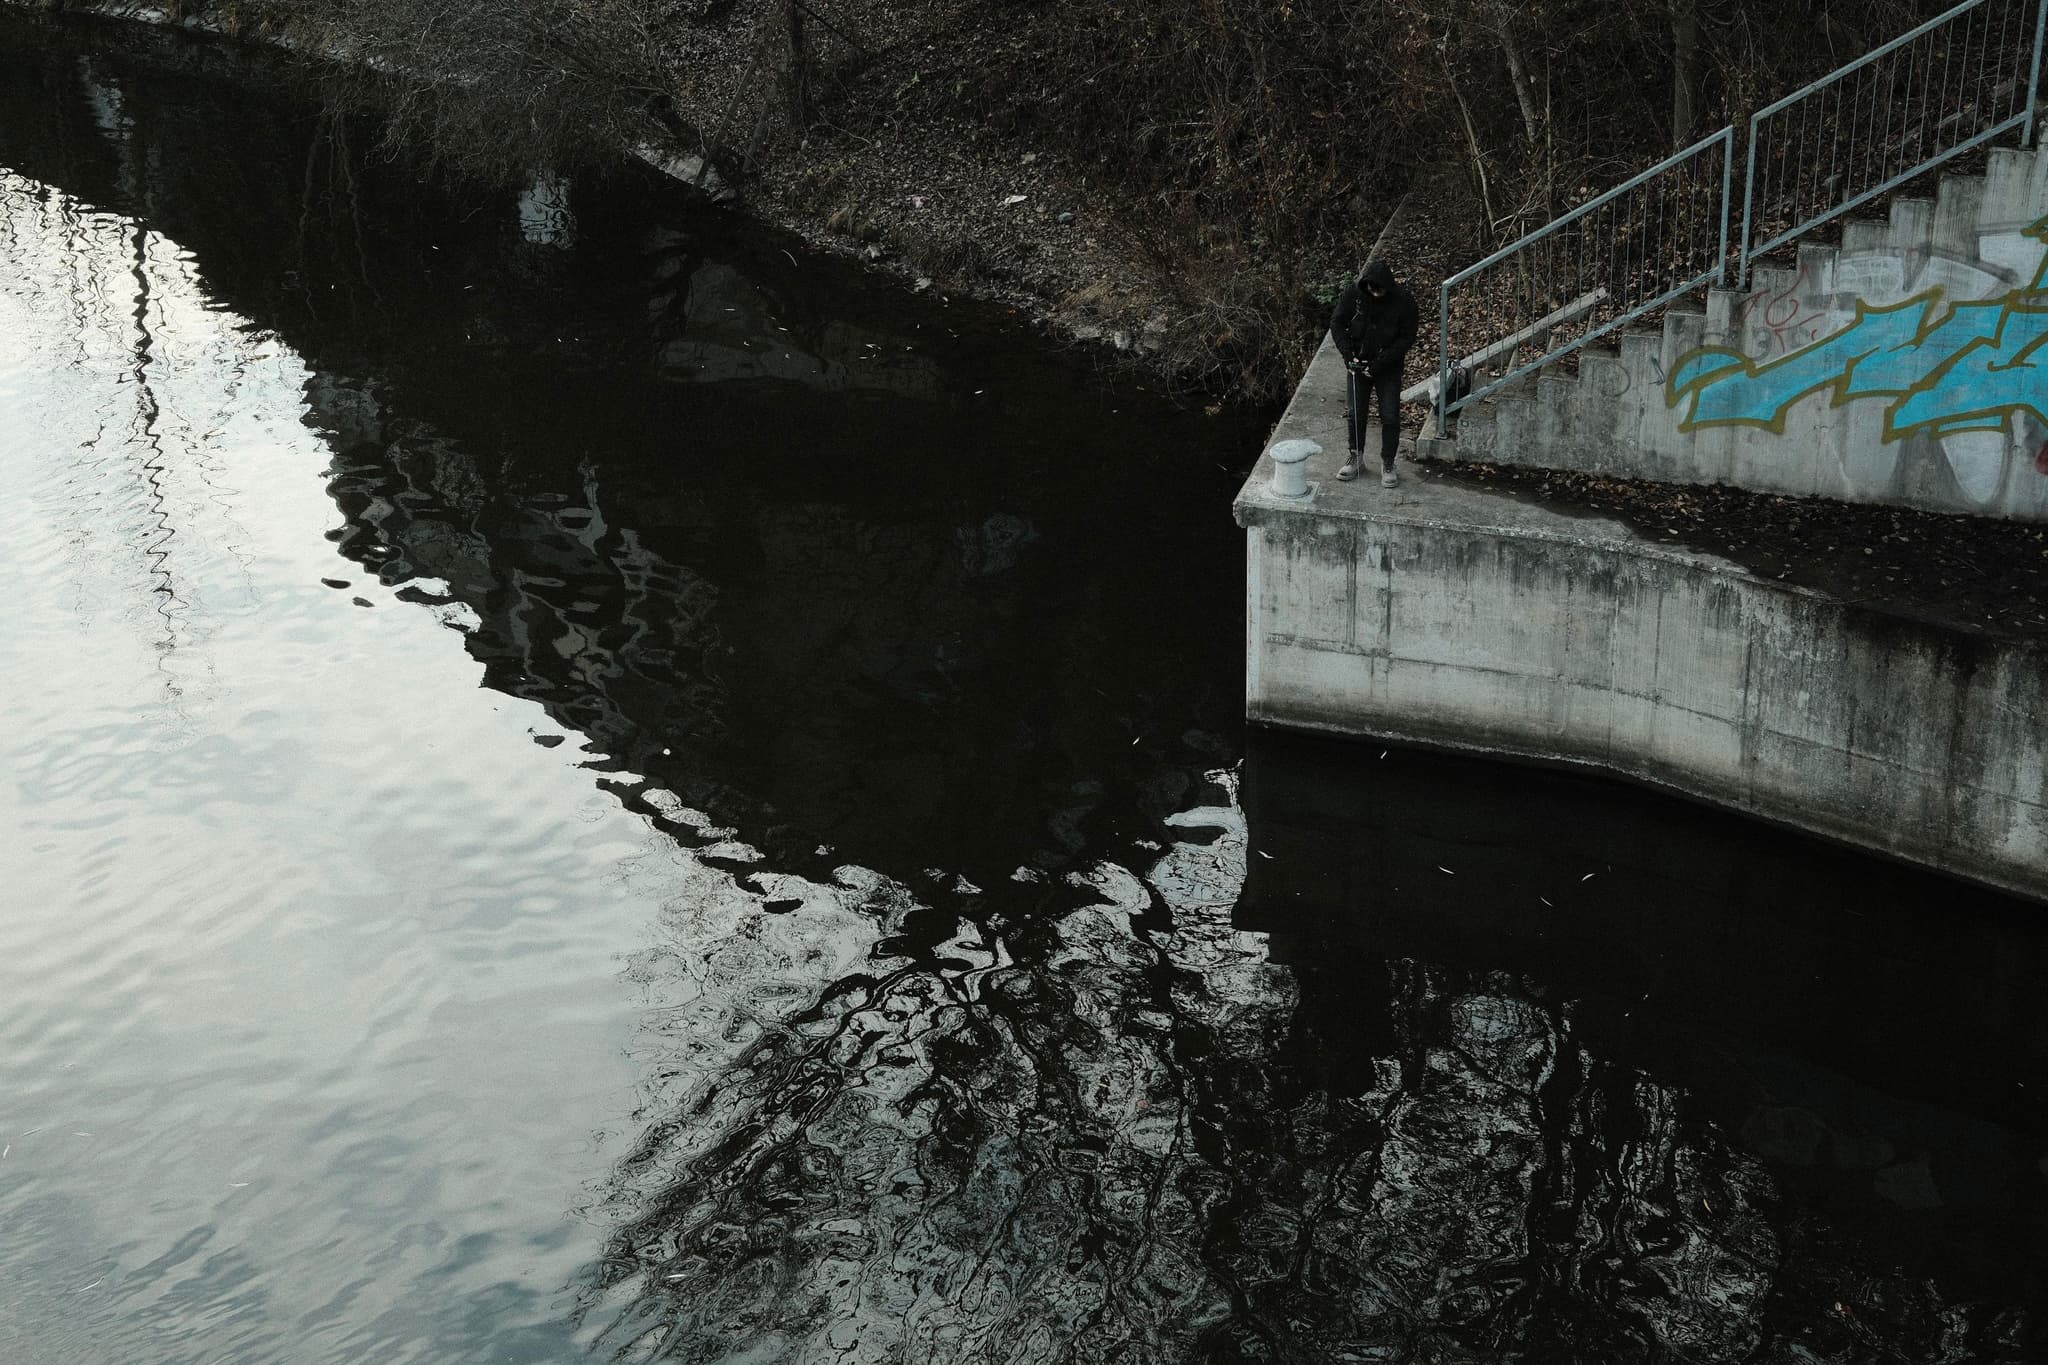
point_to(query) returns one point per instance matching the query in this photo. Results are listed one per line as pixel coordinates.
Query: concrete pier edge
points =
(1451, 616)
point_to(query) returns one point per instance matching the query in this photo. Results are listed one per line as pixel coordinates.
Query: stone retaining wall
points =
(1457, 616)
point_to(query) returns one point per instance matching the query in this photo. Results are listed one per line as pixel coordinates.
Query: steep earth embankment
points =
(1186, 183)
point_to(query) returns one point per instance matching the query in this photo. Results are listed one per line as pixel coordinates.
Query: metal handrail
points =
(1587, 296)
(1971, 85)
(1665, 189)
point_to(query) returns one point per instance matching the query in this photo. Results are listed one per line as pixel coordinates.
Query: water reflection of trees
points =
(1101, 1121)
(923, 1137)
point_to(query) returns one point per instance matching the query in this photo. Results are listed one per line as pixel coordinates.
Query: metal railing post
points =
(1748, 201)
(1443, 364)
(1727, 192)
(2034, 81)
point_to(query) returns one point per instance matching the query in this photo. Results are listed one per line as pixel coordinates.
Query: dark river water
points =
(578, 782)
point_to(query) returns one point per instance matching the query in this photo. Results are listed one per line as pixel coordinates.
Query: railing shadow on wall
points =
(1955, 83)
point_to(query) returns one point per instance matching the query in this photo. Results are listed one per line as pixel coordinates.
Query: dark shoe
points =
(1350, 469)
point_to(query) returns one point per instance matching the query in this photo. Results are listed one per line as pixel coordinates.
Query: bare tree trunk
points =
(1519, 77)
(1549, 148)
(1472, 145)
(1685, 70)
(796, 69)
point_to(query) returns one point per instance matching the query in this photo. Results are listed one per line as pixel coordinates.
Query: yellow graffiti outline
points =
(2020, 299)
(2022, 360)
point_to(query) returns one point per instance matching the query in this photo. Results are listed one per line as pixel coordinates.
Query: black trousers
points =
(1387, 389)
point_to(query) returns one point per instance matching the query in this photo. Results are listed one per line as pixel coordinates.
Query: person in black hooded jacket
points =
(1373, 326)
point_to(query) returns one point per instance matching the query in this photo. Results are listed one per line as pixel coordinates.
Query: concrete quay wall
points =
(1451, 615)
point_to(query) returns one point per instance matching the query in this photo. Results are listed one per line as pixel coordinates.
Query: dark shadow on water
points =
(1876, 1033)
(841, 567)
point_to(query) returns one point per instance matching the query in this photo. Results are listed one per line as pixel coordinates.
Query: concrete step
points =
(1773, 279)
(1956, 206)
(1556, 407)
(1685, 331)
(1861, 235)
(1607, 344)
(1525, 387)
(1514, 429)
(1912, 225)
(1642, 352)
(2040, 176)
(1603, 375)
(1722, 307)
(1817, 266)
(2009, 176)
(1475, 428)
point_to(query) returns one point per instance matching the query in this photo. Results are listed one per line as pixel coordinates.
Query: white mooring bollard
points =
(1290, 467)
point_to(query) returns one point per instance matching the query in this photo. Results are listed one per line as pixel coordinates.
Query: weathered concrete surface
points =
(1903, 366)
(1450, 615)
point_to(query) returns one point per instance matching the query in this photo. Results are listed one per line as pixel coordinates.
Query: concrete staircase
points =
(1971, 245)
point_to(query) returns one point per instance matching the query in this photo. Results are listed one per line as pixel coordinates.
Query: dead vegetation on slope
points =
(1188, 180)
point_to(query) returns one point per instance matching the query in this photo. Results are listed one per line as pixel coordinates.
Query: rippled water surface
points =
(578, 781)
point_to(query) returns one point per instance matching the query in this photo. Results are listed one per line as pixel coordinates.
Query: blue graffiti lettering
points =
(1947, 367)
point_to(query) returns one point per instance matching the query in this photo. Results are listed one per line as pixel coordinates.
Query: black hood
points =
(1376, 272)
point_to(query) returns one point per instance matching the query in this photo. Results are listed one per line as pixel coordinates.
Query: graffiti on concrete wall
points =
(1782, 320)
(1944, 366)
